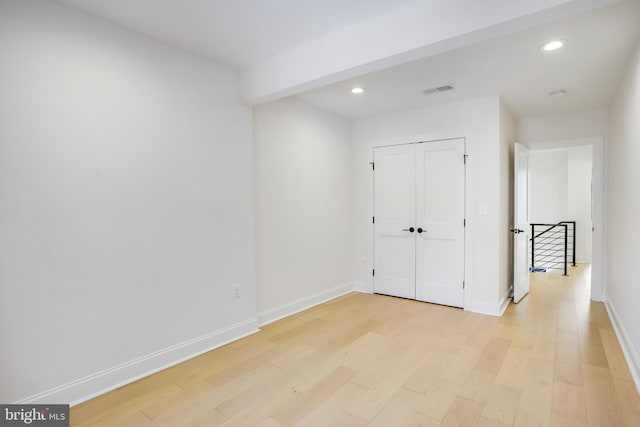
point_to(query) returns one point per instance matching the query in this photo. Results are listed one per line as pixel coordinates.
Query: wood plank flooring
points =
(371, 360)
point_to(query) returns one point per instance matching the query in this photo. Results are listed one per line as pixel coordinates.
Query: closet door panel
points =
(394, 209)
(440, 194)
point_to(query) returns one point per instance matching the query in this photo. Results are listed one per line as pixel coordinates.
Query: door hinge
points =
(374, 219)
(464, 222)
(463, 284)
(373, 165)
(464, 158)
(373, 272)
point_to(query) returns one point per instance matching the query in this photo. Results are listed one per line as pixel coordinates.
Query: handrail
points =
(551, 227)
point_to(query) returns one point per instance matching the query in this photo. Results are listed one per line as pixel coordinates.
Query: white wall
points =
(535, 130)
(303, 187)
(623, 290)
(479, 120)
(561, 191)
(548, 185)
(505, 222)
(127, 208)
(579, 193)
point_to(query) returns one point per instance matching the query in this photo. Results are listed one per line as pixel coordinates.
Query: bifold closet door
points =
(394, 207)
(440, 188)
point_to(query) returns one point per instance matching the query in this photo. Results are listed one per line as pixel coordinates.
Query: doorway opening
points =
(566, 189)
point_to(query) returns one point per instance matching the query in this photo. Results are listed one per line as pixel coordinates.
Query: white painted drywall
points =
(548, 186)
(536, 130)
(477, 119)
(561, 191)
(303, 201)
(623, 211)
(505, 222)
(127, 207)
(579, 198)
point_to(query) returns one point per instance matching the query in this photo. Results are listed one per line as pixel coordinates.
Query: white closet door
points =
(440, 175)
(394, 207)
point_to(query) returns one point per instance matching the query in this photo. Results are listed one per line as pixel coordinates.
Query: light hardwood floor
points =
(370, 360)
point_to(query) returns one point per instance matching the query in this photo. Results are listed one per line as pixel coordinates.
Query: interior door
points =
(440, 197)
(521, 229)
(394, 207)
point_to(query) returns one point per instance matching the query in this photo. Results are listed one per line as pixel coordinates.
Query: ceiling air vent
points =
(437, 89)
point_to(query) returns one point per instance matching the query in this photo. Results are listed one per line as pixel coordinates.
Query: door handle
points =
(410, 229)
(420, 230)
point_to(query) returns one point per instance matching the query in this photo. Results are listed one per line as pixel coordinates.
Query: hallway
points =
(591, 380)
(551, 360)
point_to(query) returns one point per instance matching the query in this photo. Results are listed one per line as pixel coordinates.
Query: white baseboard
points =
(477, 307)
(363, 287)
(94, 385)
(491, 309)
(276, 313)
(504, 304)
(630, 353)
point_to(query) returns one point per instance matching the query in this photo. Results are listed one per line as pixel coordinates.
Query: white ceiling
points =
(251, 34)
(235, 32)
(589, 67)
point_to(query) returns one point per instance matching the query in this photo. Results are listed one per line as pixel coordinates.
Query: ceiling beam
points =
(415, 30)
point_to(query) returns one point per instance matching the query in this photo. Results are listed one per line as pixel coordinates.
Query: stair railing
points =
(551, 245)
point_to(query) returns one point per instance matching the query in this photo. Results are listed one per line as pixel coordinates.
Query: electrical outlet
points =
(236, 290)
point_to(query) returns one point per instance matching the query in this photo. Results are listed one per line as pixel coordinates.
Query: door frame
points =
(467, 135)
(599, 236)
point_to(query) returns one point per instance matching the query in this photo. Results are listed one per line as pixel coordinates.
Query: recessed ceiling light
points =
(558, 93)
(552, 45)
(357, 90)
